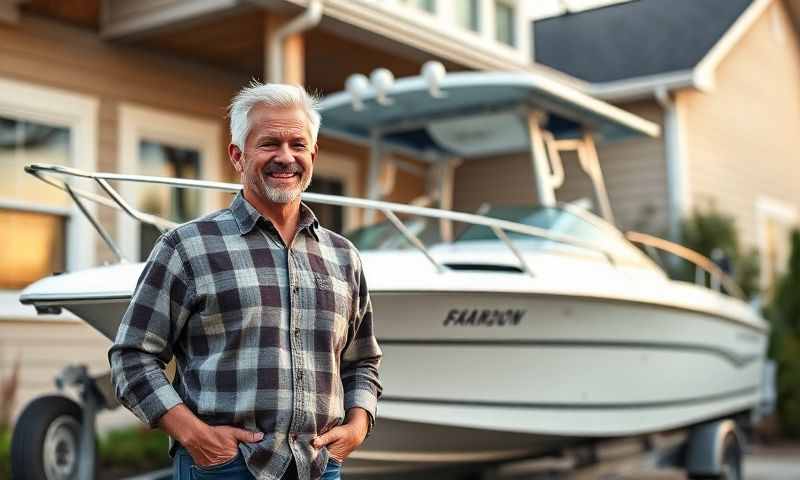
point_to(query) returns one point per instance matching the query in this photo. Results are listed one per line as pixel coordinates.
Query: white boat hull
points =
(472, 376)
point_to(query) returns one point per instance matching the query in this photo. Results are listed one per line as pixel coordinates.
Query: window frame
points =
(79, 114)
(479, 26)
(781, 212)
(416, 5)
(514, 16)
(344, 169)
(137, 123)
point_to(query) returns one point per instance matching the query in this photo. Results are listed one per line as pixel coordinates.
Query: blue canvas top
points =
(475, 102)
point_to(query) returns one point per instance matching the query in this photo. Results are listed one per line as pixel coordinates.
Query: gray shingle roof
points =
(641, 37)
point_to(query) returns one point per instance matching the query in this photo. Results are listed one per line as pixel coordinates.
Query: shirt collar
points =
(247, 216)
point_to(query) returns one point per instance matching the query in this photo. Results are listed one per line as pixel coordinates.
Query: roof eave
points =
(702, 76)
(705, 70)
(645, 87)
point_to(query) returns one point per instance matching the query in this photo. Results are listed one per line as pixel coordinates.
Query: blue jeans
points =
(234, 469)
(333, 470)
(183, 468)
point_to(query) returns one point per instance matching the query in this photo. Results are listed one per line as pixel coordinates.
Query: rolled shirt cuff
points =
(154, 406)
(365, 397)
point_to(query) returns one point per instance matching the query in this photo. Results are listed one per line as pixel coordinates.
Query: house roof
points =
(635, 39)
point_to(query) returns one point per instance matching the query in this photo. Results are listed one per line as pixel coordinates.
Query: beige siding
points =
(43, 348)
(46, 53)
(636, 176)
(743, 138)
(634, 169)
(499, 181)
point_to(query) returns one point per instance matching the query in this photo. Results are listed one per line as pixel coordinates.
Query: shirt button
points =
(296, 332)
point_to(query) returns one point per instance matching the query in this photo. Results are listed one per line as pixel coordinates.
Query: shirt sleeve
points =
(361, 358)
(143, 345)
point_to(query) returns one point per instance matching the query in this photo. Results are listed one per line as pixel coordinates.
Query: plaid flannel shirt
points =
(265, 338)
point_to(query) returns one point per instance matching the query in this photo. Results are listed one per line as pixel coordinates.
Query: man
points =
(266, 313)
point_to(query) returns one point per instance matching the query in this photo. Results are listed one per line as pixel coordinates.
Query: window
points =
(177, 204)
(504, 19)
(34, 228)
(335, 174)
(427, 5)
(163, 144)
(467, 14)
(42, 231)
(775, 221)
(329, 216)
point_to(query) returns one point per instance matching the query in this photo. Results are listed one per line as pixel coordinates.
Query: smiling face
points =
(277, 162)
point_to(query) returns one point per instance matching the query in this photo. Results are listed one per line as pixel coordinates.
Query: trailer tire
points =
(731, 467)
(731, 459)
(46, 440)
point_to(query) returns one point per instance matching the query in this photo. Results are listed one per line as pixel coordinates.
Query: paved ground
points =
(773, 463)
(776, 463)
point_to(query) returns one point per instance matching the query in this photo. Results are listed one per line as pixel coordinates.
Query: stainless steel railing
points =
(704, 267)
(500, 228)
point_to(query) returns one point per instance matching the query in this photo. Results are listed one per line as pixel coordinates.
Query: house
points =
(141, 87)
(722, 78)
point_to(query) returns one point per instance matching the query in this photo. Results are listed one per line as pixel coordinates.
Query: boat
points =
(514, 332)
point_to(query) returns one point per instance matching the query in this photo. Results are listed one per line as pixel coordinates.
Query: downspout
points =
(305, 21)
(677, 171)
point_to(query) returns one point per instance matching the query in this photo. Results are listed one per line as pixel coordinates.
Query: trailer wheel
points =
(731, 466)
(45, 444)
(731, 459)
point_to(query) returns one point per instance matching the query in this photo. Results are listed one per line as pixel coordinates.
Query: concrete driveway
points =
(773, 464)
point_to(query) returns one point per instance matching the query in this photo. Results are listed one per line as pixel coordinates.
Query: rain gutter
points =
(305, 21)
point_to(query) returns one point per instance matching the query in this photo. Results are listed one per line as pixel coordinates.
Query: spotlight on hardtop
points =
(434, 72)
(382, 80)
(357, 85)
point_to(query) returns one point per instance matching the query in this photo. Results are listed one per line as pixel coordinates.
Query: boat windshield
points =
(559, 220)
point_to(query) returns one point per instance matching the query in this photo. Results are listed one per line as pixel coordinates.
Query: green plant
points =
(709, 232)
(5, 453)
(8, 394)
(784, 309)
(788, 359)
(784, 315)
(135, 447)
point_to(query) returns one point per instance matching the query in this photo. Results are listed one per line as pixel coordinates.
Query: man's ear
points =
(314, 152)
(235, 156)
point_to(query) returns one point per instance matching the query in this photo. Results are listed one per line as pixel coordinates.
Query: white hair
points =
(275, 95)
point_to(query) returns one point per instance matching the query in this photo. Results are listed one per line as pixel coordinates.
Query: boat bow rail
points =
(703, 266)
(390, 210)
(500, 228)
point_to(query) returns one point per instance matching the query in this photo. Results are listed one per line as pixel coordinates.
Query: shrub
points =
(784, 315)
(706, 231)
(788, 359)
(5, 453)
(136, 448)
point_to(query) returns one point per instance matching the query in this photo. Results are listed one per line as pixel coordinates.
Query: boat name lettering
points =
(473, 317)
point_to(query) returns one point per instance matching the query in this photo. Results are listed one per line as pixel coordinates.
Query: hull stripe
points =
(738, 361)
(743, 392)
